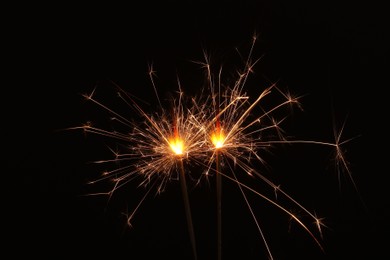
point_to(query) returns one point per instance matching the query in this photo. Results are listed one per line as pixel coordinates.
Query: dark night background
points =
(334, 54)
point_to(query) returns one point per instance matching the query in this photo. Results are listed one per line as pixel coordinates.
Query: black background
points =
(334, 54)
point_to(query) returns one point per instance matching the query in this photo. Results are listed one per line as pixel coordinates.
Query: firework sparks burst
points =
(153, 147)
(220, 131)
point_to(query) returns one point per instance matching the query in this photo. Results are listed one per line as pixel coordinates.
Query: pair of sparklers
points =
(221, 130)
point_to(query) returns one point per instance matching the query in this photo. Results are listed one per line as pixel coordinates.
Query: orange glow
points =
(177, 145)
(218, 138)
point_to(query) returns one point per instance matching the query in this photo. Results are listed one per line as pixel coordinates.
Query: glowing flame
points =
(218, 139)
(177, 145)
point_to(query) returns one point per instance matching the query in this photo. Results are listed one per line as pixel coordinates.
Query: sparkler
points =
(236, 137)
(156, 149)
(220, 128)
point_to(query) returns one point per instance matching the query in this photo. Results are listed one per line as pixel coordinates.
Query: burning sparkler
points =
(155, 149)
(221, 129)
(236, 135)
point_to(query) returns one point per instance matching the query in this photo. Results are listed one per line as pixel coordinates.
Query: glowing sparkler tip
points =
(177, 145)
(218, 139)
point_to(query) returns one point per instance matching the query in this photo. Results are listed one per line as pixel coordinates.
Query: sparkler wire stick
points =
(187, 208)
(219, 204)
